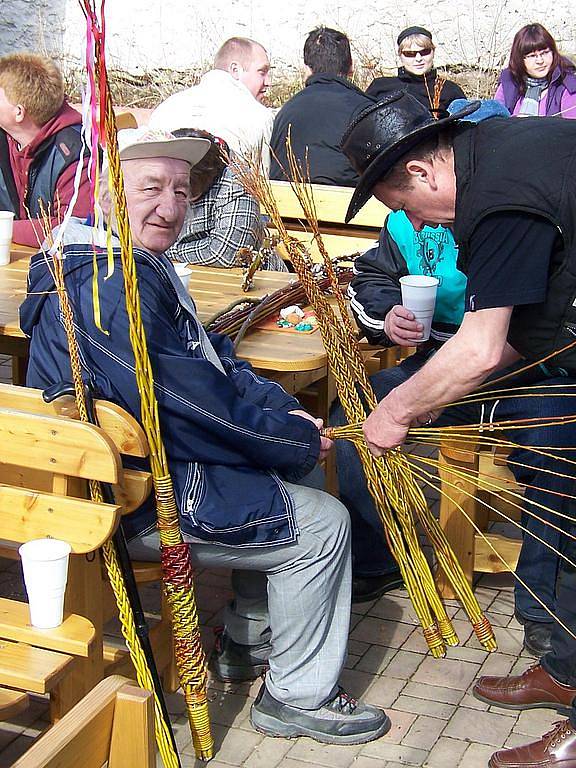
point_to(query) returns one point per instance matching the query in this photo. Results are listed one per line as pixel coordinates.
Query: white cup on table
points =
(419, 296)
(6, 228)
(45, 567)
(183, 272)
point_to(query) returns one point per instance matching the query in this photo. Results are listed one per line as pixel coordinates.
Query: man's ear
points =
(235, 69)
(307, 72)
(19, 113)
(421, 170)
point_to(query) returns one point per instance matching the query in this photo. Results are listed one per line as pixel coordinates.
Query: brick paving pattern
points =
(436, 722)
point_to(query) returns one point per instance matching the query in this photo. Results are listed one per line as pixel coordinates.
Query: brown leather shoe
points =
(556, 749)
(533, 689)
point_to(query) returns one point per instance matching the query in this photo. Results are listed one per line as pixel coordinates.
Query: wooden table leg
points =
(19, 368)
(459, 494)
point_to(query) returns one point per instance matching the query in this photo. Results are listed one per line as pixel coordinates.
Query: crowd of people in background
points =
(37, 146)
(243, 453)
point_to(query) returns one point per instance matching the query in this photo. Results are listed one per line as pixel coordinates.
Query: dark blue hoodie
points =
(227, 432)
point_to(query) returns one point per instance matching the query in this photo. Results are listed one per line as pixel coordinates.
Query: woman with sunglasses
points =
(538, 80)
(417, 74)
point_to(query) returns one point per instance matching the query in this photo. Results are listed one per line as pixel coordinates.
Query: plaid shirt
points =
(223, 220)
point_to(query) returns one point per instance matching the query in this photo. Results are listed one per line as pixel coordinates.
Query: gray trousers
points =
(296, 596)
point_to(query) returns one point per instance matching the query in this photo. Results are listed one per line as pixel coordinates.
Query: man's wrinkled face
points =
(157, 193)
(256, 75)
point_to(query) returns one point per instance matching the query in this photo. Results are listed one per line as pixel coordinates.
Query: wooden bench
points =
(112, 726)
(44, 458)
(470, 477)
(87, 594)
(339, 238)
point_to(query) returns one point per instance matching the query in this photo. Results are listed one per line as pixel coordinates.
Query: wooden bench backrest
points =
(113, 725)
(331, 206)
(125, 120)
(47, 457)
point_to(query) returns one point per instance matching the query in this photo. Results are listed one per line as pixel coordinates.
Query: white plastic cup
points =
(183, 272)
(6, 229)
(45, 566)
(419, 296)
(5, 247)
(6, 225)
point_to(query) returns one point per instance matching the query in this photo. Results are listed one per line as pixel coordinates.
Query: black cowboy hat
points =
(382, 133)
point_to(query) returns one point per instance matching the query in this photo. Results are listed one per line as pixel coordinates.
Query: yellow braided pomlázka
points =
(177, 571)
(390, 481)
(126, 616)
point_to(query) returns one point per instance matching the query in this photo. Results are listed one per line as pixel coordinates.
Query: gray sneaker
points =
(342, 720)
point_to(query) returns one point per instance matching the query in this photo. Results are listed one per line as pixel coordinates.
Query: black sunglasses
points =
(413, 54)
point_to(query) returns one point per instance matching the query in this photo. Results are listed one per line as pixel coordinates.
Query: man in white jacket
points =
(227, 100)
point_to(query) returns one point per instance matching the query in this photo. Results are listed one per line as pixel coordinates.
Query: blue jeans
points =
(561, 661)
(537, 565)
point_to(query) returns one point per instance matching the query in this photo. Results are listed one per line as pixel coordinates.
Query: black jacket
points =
(419, 86)
(526, 165)
(318, 115)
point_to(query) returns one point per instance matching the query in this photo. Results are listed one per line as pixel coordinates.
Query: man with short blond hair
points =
(40, 145)
(227, 101)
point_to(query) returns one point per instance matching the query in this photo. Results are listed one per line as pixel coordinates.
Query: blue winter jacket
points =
(228, 435)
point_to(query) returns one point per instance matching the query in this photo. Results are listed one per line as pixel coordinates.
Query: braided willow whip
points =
(175, 554)
(163, 737)
(176, 563)
(397, 496)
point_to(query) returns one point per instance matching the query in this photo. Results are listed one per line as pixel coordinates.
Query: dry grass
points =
(151, 88)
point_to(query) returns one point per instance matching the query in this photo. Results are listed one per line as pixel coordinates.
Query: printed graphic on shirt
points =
(432, 252)
(430, 244)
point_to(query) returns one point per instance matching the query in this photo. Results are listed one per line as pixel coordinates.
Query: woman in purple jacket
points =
(538, 80)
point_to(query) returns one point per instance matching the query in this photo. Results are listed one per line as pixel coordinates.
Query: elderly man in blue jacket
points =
(237, 447)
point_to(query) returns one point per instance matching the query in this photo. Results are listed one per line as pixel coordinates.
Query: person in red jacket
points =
(40, 145)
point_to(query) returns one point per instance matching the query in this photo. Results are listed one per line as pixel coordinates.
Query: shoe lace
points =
(344, 702)
(561, 730)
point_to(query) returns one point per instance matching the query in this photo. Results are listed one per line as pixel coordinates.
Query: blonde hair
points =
(33, 81)
(240, 49)
(421, 40)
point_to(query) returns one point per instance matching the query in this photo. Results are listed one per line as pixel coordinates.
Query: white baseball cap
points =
(141, 143)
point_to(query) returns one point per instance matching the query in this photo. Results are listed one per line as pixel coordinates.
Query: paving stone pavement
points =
(436, 723)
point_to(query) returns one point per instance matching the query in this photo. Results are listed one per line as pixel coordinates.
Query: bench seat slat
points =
(31, 669)
(59, 445)
(73, 636)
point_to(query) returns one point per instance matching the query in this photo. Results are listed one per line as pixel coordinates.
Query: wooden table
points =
(293, 360)
(296, 361)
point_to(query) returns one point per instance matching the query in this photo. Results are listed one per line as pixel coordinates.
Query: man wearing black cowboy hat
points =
(507, 189)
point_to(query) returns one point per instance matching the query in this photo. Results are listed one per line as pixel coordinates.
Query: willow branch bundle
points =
(474, 479)
(175, 554)
(470, 439)
(115, 576)
(397, 497)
